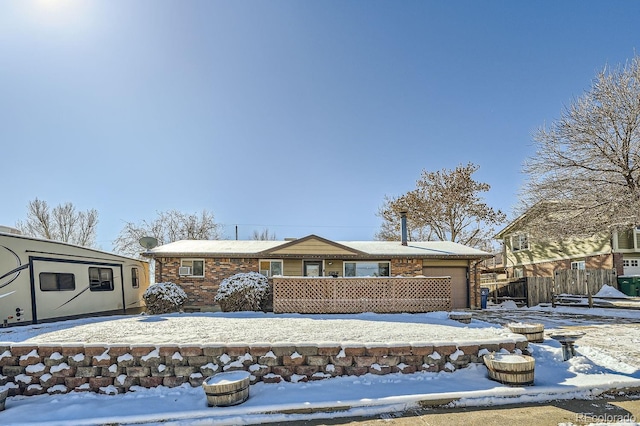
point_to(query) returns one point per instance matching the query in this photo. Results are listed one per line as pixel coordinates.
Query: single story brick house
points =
(200, 265)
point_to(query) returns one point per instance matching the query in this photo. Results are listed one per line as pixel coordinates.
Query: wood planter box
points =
(510, 369)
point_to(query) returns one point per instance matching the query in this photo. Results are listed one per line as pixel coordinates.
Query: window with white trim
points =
(578, 264)
(269, 267)
(518, 273)
(191, 267)
(519, 242)
(634, 263)
(367, 269)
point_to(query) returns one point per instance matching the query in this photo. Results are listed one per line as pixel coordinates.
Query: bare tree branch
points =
(63, 223)
(587, 163)
(264, 235)
(167, 227)
(446, 206)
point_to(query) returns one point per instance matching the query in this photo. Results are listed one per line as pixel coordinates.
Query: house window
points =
(50, 281)
(519, 242)
(269, 268)
(367, 269)
(578, 265)
(100, 279)
(135, 280)
(518, 272)
(192, 267)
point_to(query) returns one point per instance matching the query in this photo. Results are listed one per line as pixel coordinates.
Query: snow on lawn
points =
(254, 327)
(588, 374)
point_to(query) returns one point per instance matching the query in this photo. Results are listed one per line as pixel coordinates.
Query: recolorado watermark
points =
(605, 418)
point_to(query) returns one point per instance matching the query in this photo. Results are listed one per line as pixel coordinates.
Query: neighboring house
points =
(492, 269)
(525, 256)
(200, 266)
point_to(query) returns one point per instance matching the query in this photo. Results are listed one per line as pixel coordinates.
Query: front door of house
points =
(312, 268)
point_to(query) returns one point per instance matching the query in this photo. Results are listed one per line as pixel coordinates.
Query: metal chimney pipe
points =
(403, 224)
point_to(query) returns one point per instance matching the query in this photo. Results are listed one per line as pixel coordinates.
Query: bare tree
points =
(585, 174)
(63, 223)
(167, 227)
(445, 206)
(391, 221)
(263, 235)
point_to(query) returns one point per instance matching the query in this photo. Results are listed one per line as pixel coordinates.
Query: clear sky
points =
(296, 116)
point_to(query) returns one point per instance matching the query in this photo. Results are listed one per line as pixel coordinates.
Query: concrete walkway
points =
(624, 410)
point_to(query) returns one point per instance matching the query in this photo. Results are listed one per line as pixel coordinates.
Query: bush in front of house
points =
(163, 298)
(243, 292)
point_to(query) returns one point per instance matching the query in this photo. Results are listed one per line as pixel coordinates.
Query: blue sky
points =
(296, 116)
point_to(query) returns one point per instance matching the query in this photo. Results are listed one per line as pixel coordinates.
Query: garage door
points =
(631, 266)
(459, 288)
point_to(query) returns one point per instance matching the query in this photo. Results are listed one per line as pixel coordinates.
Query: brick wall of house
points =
(202, 291)
(474, 287)
(618, 264)
(406, 267)
(546, 269)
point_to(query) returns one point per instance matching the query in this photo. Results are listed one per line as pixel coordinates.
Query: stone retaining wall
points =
(27, 369)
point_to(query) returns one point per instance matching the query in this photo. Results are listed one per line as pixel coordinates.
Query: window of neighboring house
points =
(518, 272)
(135, 280)
(630, 262)
(578, 265)
(100, 279)
(192, 267)
(269, 268)
(519, 242)
(52, 281)
(367, 269)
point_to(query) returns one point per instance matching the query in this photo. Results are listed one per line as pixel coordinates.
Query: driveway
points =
(612, 333)
(624, 410)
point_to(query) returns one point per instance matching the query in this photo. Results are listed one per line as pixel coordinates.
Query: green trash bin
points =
(629, 285)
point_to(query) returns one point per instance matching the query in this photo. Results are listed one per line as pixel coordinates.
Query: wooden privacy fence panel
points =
(327, 295)
(583, 281)
(539, 290)
(536, 290)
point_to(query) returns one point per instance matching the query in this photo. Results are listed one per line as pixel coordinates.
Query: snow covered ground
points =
(258, 327)
(607, 359)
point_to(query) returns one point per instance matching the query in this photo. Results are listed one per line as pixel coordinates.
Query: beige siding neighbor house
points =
(528, 257)
(200, 266)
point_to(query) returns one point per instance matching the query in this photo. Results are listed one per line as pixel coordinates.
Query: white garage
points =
(631, 266)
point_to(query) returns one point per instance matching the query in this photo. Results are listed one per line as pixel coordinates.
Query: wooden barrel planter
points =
(228, 388)
(3, 398)
(533, 332)
(463, 317)
(510, 369)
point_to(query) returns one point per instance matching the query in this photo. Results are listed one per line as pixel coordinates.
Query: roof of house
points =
(252, 248)
(516, 224)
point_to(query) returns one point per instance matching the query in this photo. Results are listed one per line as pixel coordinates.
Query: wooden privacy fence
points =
(583, 281)
(536, 290)
(327, 295)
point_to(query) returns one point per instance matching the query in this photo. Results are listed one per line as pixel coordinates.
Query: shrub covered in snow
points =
(162, 298)
(243, 292)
